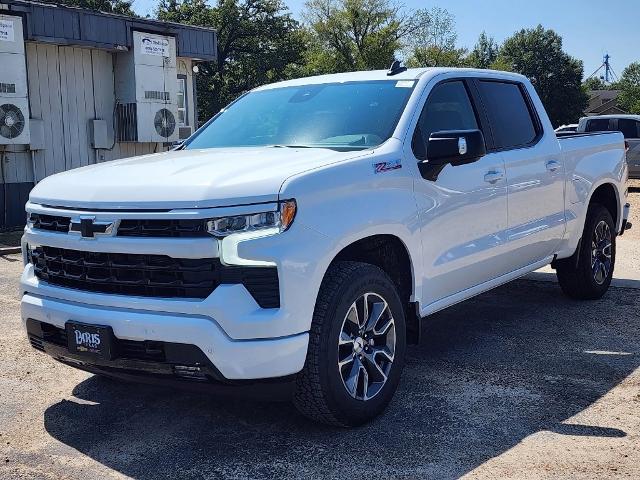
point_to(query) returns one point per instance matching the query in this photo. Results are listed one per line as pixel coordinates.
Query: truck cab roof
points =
(377, 75)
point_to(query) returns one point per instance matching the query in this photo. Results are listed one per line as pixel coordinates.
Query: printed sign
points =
(6, 31)
(152, 45)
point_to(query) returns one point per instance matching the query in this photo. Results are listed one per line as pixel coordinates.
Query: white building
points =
(79, 87)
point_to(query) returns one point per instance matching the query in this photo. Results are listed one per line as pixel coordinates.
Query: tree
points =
(594, 83)
(122, 7)
(484, 53)
(258, 42)
(435, 56)
(434, 41)
(347, 35)
(629, 86)
(537, 53)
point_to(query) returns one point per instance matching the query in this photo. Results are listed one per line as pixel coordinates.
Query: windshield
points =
(349, 115)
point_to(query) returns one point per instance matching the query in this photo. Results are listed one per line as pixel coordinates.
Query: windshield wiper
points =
(292, 146)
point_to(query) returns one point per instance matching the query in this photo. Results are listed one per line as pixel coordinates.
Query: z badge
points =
(382, 167)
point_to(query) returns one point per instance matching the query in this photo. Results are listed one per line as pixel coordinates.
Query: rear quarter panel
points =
(590, 161)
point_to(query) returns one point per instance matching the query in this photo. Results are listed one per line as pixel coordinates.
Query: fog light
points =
(189, 371)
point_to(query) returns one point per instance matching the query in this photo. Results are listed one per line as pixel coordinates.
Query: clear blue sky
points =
(589, 28)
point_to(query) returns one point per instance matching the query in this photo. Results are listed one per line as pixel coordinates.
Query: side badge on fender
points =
(382, 167)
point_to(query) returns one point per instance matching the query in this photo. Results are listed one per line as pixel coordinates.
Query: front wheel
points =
(588, 277)
(357, 344)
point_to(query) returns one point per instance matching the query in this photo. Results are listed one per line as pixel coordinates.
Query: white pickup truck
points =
(297, 239)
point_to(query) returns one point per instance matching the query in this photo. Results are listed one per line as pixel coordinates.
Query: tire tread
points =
(575, 281)
(309, 398)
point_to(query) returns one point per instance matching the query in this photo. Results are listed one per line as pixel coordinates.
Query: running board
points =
(483, 287)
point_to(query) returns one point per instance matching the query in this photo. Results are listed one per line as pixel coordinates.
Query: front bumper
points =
(242, 340)
(233, 359)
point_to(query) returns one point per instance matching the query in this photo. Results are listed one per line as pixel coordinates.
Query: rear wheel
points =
(356, 348)
(588, 277)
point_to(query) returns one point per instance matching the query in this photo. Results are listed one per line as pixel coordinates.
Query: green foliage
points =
(433, 44)
(258, 42)
(435, 56)
(484, 53)
(594, 83)
(122, 7)
(537, 53)
(347, 35)
(629, 86)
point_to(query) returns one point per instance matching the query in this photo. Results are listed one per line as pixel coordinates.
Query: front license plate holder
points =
(90, 340)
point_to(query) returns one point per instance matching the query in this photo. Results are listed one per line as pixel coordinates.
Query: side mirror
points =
(457, 147)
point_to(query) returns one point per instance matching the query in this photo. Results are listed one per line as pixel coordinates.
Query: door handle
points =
(493, 176)
(552, 165)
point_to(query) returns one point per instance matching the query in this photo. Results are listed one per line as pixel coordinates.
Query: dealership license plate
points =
(90, 340)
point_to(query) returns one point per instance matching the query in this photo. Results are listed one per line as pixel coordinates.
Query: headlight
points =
(280, 219)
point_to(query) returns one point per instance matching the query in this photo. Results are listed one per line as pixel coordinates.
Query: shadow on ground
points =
(491, 371)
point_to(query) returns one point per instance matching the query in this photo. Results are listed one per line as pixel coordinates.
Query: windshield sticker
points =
(404, 84)
(382, 167)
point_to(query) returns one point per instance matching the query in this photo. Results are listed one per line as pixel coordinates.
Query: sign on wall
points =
(153, 45)
(6, 31)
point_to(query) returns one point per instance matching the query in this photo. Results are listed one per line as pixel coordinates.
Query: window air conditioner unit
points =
(14, 101)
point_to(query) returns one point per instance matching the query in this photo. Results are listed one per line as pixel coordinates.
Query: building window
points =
(183, 119)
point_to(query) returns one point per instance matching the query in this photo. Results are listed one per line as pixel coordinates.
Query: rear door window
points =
(512, 121)
(629, 128)
(597, 125)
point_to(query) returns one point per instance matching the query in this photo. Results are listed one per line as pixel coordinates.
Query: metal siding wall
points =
(56, 120)
(76, 76)
(104, 99)
(16, 165)
(69, 87)
(45, 100)
(33, 75)
(74, 26)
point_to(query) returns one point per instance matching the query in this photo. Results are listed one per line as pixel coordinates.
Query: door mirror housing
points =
(455, 147)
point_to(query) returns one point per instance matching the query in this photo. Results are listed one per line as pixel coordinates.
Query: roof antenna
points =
(396, 67)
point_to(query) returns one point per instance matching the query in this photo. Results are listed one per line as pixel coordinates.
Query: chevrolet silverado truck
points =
(297, 240)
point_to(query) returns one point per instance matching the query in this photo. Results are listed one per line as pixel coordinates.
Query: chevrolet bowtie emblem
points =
(88, 227)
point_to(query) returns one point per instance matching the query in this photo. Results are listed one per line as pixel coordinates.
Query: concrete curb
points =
(9, 250)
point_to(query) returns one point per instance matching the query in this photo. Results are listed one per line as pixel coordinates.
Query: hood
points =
(183, 178)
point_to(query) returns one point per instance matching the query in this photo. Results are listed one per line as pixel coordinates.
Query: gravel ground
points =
(519, 382)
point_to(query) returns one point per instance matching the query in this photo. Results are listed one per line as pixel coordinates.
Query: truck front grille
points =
(153, 228)
(150, 275)
(162, 228)
(52, 223)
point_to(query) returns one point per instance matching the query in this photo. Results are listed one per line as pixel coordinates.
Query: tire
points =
(584, 277)
(326, 392)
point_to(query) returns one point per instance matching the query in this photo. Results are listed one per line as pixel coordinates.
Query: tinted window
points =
(629, 128)
(448, 108)
(597, 125)
(352, 115)
(511, 121)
